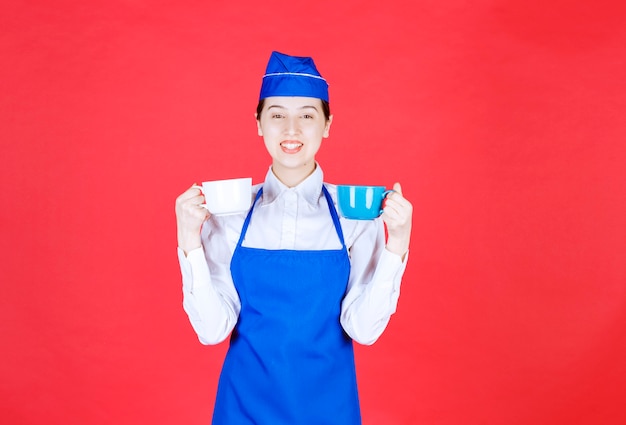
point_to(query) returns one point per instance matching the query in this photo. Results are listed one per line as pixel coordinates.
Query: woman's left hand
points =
(397, 215)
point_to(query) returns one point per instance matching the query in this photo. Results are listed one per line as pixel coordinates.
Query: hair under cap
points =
(293, 76)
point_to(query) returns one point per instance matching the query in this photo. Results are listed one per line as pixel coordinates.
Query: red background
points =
(503, 120)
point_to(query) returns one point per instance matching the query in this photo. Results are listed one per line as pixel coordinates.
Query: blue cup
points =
(361, 202)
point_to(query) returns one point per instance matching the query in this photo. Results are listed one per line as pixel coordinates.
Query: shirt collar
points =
(310, 189)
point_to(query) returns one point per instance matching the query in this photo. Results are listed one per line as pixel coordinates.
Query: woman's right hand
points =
(190, 214)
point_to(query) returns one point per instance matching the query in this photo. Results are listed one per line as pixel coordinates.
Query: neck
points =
(291, 177)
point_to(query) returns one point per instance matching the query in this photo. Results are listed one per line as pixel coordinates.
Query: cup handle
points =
(384, 195)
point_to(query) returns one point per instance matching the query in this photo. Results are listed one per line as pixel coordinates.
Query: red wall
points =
(503, 120)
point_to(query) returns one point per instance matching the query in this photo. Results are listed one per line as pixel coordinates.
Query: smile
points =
(290, 146)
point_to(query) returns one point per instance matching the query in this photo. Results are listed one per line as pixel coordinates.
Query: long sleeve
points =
(374, 285)
(209, 295)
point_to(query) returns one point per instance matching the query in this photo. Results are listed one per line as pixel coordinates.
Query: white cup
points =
(231, 196)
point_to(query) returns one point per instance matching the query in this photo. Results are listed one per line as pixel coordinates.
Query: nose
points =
(292, 126)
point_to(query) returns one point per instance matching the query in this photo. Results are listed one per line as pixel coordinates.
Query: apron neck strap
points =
(334, 215)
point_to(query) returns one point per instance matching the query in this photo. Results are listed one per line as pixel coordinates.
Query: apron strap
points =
(244, 229)
(333, 213)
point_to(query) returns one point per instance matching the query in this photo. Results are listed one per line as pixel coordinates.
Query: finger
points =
(397, 203)
(197, 211)
(389, 217)
(193, 200)
(195, 188)
(204, 212)
(191, 208)
(188, 194)
(391, 211)
(400, 201)
(398, 211)
(396, 193)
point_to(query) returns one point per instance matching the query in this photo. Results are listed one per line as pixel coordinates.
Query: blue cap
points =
(293, 76)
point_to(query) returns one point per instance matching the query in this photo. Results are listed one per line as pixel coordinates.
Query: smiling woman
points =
(291, 282)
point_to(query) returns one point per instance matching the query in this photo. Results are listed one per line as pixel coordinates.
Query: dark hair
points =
(325, 109)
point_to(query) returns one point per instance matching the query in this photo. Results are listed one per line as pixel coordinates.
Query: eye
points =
(277, 116)
(308, 116)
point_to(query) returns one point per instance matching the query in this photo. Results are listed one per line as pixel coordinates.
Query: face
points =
(293, 129)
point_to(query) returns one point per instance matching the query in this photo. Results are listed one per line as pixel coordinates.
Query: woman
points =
(290, 281)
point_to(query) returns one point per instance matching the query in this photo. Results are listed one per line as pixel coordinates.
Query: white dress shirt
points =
(294, 218)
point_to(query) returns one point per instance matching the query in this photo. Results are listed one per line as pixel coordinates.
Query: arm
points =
(376, 271)
(209, 296)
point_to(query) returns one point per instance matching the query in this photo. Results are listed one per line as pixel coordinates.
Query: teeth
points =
(291, 145)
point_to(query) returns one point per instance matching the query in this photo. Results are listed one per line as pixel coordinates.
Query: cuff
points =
(194, 269)
(393, 263)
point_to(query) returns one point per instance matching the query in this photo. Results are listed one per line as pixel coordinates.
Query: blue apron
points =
(289, 360)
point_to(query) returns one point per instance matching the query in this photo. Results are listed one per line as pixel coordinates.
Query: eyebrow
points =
(283, 107)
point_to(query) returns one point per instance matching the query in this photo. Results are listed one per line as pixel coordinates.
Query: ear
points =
(327, 128)
(258, 125)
